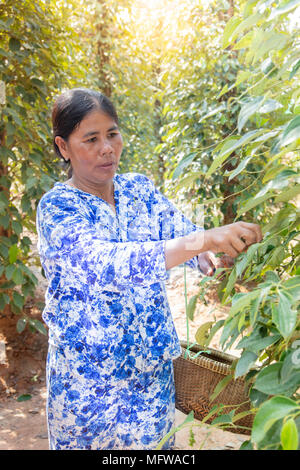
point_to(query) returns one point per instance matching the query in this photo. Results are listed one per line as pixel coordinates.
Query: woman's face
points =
(94, 148)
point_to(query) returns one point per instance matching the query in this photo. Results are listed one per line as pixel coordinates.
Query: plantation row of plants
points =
(209, 106)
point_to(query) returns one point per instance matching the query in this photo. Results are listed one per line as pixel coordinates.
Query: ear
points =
(63, 147)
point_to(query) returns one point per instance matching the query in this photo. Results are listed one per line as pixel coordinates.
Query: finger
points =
(254, 228)
(213, 260)
(238, 244)
(249, 236)
(226, 261)
(231, 251)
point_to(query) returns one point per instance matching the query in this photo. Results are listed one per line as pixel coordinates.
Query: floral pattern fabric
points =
(112, 339)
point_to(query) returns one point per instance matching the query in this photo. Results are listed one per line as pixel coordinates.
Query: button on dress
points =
(112, 340)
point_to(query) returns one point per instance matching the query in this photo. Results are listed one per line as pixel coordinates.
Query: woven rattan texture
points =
(196, 379)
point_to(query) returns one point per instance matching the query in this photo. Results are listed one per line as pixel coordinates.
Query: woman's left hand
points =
(208, 262)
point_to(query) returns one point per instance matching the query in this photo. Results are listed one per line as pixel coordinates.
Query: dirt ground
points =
(22, 372)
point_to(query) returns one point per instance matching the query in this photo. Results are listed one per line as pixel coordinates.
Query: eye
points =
(112, 134)
(91, 140)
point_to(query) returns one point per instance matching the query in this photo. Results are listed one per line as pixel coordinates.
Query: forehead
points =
(95, 121)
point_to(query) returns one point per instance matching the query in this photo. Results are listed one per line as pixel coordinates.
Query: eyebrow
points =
(88, 134)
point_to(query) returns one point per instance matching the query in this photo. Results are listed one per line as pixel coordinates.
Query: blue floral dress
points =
(112, 339)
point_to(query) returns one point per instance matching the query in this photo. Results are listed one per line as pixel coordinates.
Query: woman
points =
(106, 242)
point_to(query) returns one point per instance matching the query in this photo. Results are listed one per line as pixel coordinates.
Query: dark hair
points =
(71, 107)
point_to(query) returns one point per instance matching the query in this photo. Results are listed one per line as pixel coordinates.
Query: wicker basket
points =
(196, 379)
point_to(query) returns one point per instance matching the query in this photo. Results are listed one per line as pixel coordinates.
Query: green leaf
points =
(256, 343)
(289, 435)
(17, 276)
(186, 161)
(283, 316)
(288, 194)
(24, 397)
(246, 361)
(191, 307)
(21, 323)
(268, 381)
(9, 270)
(284, 7)
(292, 286)
(243, 302)
(247, 110)
(271, 411)
(230, 27)
(239, 168)
(17, 227)
(220, 386)
(290, 133)
(231, 144)
(13, 253)
(271, 41)
(39, 326)
(294, 69)
(18, 300)
(202, 333)
(14, 44)
(223, 419)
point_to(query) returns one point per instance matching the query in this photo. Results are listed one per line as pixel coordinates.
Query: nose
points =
(105, 147)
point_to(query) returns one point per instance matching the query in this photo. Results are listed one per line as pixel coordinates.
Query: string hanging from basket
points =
(189, 346)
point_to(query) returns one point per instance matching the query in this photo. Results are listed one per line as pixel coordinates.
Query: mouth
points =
(106, 165)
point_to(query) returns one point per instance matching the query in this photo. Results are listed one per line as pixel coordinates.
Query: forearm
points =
(181, 249)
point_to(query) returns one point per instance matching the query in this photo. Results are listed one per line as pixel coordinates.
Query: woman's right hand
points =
(232, 239)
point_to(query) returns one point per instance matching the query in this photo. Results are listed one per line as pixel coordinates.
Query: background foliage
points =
(208, 98)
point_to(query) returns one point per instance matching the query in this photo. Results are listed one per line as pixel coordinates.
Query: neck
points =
(103, 190)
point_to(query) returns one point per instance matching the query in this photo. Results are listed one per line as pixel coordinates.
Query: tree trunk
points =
(103, 36)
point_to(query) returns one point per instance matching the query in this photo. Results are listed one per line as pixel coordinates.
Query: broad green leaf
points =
(186, 161)
(213, 330)
(269, 412)
(243, 302)
(247, 110)
(9, 270)
(271, 42)
(230, 284)
(292, 286)
(269, 106)
(191, 307)
(230, 145)
(230, 27)
(245, 259)
(268, 381)
(239, 168)
(38, 325)
(257, 344)
(18, 300)
(13, 253)
(223, 419)
(290, 133)
(229, 325)
(21, 323)
(202, 332)
(291, 364)
(14, 44)
(246, 361)
(288, 194)
(283, 7)
(236, 27)
(283, 316)
(24, 397)
(277, 256)
(17, 276)
(289, 435)
(295, 69)
(214, 111)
